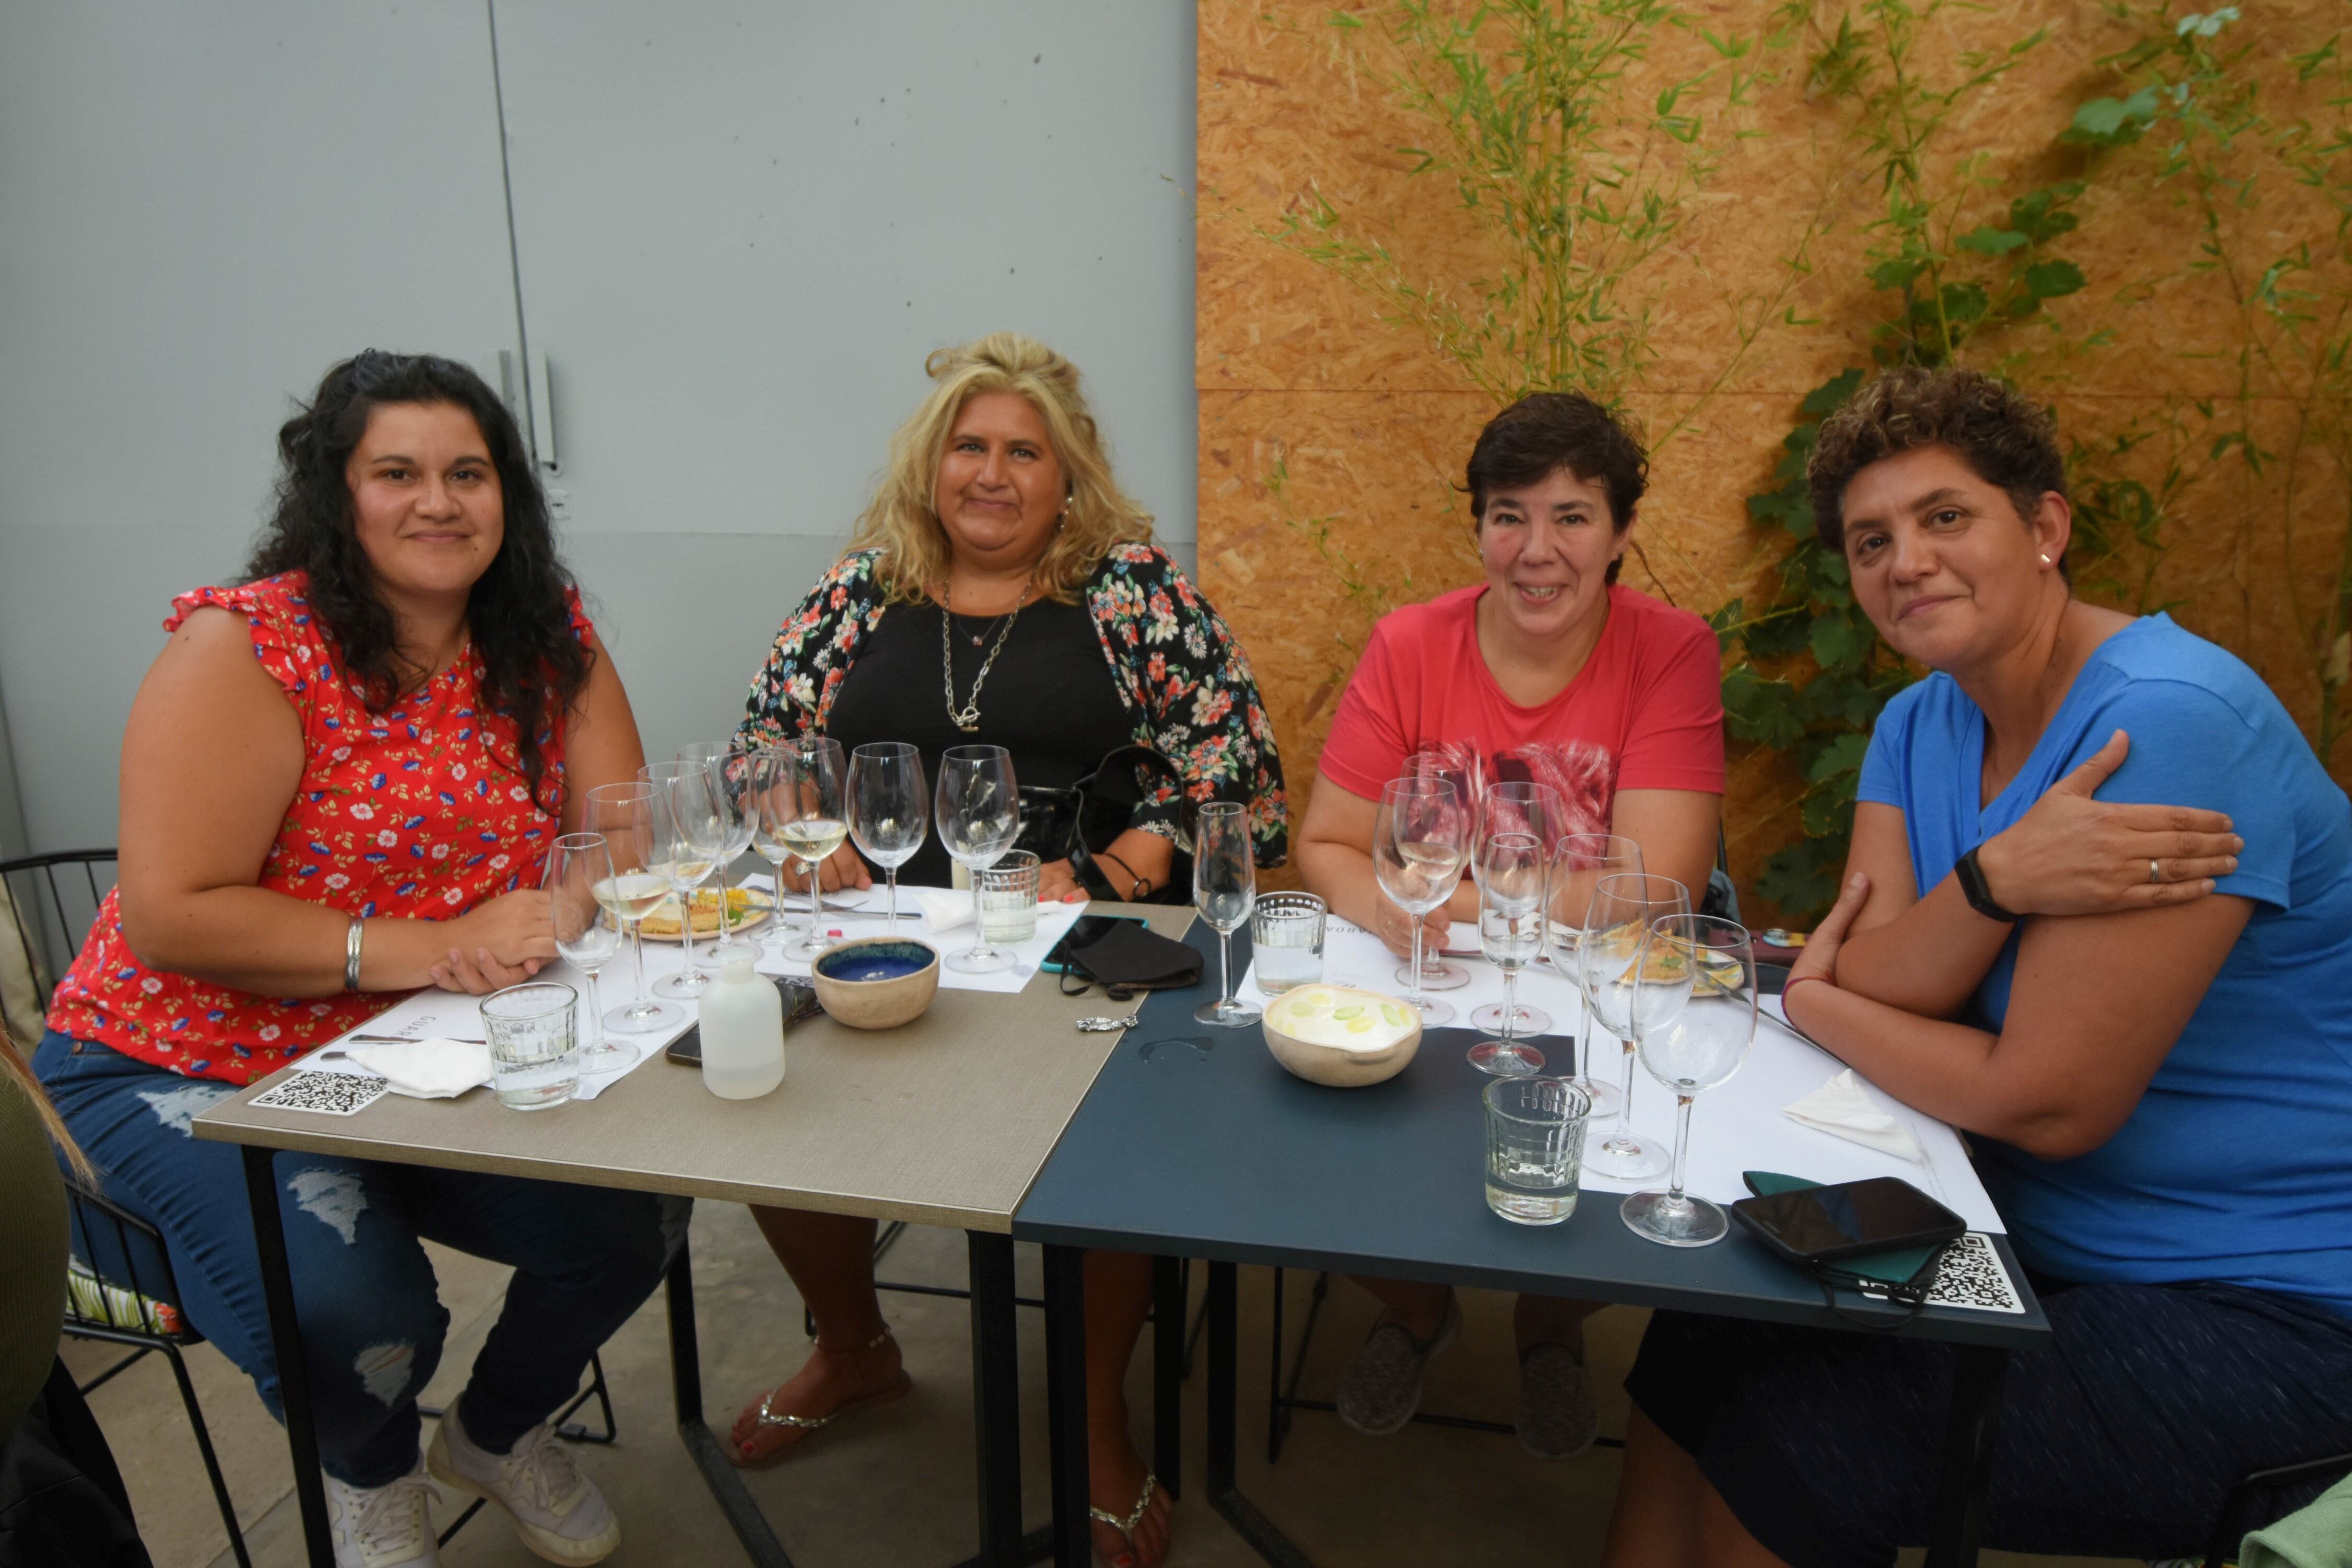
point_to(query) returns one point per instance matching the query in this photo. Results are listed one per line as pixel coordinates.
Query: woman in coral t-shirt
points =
(1548, 671)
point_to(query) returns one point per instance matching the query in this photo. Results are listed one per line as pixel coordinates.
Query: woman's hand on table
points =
(1057, 883)
(503, 942)
(1394, 928)
(845, 868)
(2075, 855)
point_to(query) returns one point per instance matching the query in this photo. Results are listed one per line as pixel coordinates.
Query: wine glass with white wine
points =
(810, 792)
(623, 813)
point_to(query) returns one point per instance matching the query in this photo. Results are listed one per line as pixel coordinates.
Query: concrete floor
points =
(896, 1486)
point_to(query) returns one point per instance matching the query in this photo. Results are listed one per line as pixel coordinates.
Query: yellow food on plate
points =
(743, 906)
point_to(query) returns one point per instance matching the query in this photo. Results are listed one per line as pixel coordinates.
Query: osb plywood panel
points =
(1332, 439)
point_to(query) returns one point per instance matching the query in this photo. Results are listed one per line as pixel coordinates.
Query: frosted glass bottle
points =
(742, 1032)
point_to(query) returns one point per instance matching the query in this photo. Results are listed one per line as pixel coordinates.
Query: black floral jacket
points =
(1178, 669)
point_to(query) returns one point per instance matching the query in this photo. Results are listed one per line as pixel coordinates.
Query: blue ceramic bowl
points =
(876, 982)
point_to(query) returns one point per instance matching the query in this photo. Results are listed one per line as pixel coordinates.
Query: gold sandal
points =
(766, 1416)
(1126, 1527)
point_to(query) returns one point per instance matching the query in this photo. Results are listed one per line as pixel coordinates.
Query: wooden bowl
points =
(877, 982)
(1326, 1051)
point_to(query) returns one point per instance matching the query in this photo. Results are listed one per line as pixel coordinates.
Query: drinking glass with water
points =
(1535, 1148)
(1286, 940)
(534, 1047)
(1008, 899)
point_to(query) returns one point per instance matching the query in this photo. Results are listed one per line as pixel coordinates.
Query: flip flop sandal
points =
(765, 1416)
(1126, 1527)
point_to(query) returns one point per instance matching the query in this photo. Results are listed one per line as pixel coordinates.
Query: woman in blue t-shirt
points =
(2158, 1081)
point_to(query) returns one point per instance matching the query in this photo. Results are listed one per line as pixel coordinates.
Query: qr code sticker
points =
(327, 1093)
(1972, 1276)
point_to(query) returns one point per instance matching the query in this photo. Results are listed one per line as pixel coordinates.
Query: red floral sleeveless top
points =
(419, 812)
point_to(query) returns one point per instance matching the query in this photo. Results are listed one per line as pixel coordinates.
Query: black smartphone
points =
(1813, 1225)
(800, 1003)
(1084, 931)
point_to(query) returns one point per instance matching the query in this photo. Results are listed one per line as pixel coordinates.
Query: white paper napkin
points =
(943, 909)
(1843, 1108)
(434, 1069)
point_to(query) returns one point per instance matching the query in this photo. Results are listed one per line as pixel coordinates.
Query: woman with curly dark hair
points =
(339, 784)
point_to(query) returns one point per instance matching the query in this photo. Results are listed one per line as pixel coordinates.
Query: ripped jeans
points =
(372, 1323)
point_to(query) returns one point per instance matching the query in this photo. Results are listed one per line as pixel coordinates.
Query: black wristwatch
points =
(1980, 896)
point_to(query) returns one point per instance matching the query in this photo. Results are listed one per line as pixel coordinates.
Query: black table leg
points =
(1224, 1410)
(996, 1400)
(1957, 1529)
(1168, 1373)
(751, 1526)
(285, 1343)
(1065, 1401)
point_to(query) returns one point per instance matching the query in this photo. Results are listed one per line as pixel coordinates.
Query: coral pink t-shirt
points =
(1645, 712)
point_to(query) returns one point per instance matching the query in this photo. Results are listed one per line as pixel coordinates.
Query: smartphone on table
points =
(1817, 1224)
(1085, 931)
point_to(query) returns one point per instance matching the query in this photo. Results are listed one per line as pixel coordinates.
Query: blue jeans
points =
(372, 1323)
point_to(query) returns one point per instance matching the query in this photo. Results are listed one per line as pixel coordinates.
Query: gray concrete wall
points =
(734, 268)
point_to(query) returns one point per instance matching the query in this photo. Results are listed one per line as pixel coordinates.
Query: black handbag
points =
(1071, 823)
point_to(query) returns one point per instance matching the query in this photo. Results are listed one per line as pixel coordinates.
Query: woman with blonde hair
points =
(1002, 590)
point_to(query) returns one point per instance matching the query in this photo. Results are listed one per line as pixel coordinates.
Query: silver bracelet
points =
(351, 955)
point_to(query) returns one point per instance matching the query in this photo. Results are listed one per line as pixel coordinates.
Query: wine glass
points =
(731, 765)
(889, 809)
(1697, 1020)
(809, 790)
(1615, 940)
(1517, 805)
(689, 830)
(1420, 839)
(623, 813)
(1579, 861)
(1224, 890)
(978, 811)
(586, 934)
(1435, 763)
(1510, 932)
(771, 802)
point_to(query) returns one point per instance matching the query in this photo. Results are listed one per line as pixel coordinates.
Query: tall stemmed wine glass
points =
(1510, 932)
(1579, 862)
(978, 812)
(1421, 841)
(586, 934)
(623, 813)
(811, 789)
(1437, 764)
(771, 805)
(1225, 890)
(1614, 942)
(1517, 805)
(1698, 1018)
(689, 830)
(731, 766)
(889, 808)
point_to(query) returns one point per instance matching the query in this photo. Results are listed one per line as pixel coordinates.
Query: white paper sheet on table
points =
(448, 1013)
(872, 918)
(1735, 1128)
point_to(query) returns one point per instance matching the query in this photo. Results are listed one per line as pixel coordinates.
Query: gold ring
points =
(2152, 872)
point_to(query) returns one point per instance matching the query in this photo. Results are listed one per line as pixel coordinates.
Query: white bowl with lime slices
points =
(1339, 1036)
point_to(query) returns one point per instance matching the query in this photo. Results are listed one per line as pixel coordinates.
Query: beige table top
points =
(944, 1121)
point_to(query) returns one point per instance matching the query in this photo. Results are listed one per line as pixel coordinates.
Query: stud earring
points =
(2046, 561)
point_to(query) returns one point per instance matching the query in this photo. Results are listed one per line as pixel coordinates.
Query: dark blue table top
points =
(1223, 1154)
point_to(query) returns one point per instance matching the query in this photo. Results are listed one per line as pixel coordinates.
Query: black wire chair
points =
(120, 1288)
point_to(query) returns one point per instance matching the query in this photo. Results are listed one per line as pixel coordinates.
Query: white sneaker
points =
(382, 1527)
(558, 1512)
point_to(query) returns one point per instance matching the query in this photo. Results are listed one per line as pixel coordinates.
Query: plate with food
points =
(747, 909)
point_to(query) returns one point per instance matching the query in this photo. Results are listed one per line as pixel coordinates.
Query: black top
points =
(1049, 698)
(1215, 1151)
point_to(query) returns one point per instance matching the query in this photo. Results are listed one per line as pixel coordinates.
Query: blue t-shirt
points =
(2236, 1164)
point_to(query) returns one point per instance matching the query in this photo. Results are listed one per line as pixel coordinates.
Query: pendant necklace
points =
(966, 718)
